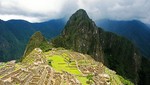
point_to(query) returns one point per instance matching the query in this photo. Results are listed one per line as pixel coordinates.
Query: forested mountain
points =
(82, 35)
(14, 35)
(134, 30)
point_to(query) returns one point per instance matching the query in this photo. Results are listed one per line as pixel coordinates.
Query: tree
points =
(90, 78)
(50, 62)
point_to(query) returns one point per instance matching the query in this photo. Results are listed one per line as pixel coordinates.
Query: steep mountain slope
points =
(15, 34)
(7, 42)
(138, 33)
(144, 72)
(135, 31)
(82, 35)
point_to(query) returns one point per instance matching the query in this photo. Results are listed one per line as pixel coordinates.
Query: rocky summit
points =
(58, 67)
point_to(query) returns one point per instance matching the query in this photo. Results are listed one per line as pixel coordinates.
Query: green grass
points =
(114, 79)
(125, 81)
(2, 64)
(59, 64)
(82, 80)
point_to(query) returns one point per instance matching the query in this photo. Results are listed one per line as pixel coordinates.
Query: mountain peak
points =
(79, 21)
(37, 34)
(80, 15)
(81, 12)
(37, 40)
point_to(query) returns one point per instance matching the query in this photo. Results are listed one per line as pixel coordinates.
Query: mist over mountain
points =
(134, 30)
(15, 34)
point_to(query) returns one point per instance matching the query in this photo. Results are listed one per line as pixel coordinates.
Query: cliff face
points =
(82, 35)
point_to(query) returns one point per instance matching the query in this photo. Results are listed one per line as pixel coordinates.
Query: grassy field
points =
(2, 64)
(59, 64)
(82, 80)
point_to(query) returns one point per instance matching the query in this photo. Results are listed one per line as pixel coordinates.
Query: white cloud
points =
(42, 10)
(31, 19)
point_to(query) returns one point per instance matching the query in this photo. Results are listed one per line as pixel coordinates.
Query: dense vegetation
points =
(144, 72)
(138, 33)
(134, 30)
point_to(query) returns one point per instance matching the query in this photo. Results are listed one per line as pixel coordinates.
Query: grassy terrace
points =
(60, 64)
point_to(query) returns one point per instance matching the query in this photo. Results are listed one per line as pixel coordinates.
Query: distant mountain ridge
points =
(14, 35)
(134, 30)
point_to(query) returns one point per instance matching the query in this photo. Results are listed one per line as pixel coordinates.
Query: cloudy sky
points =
(43, 10)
